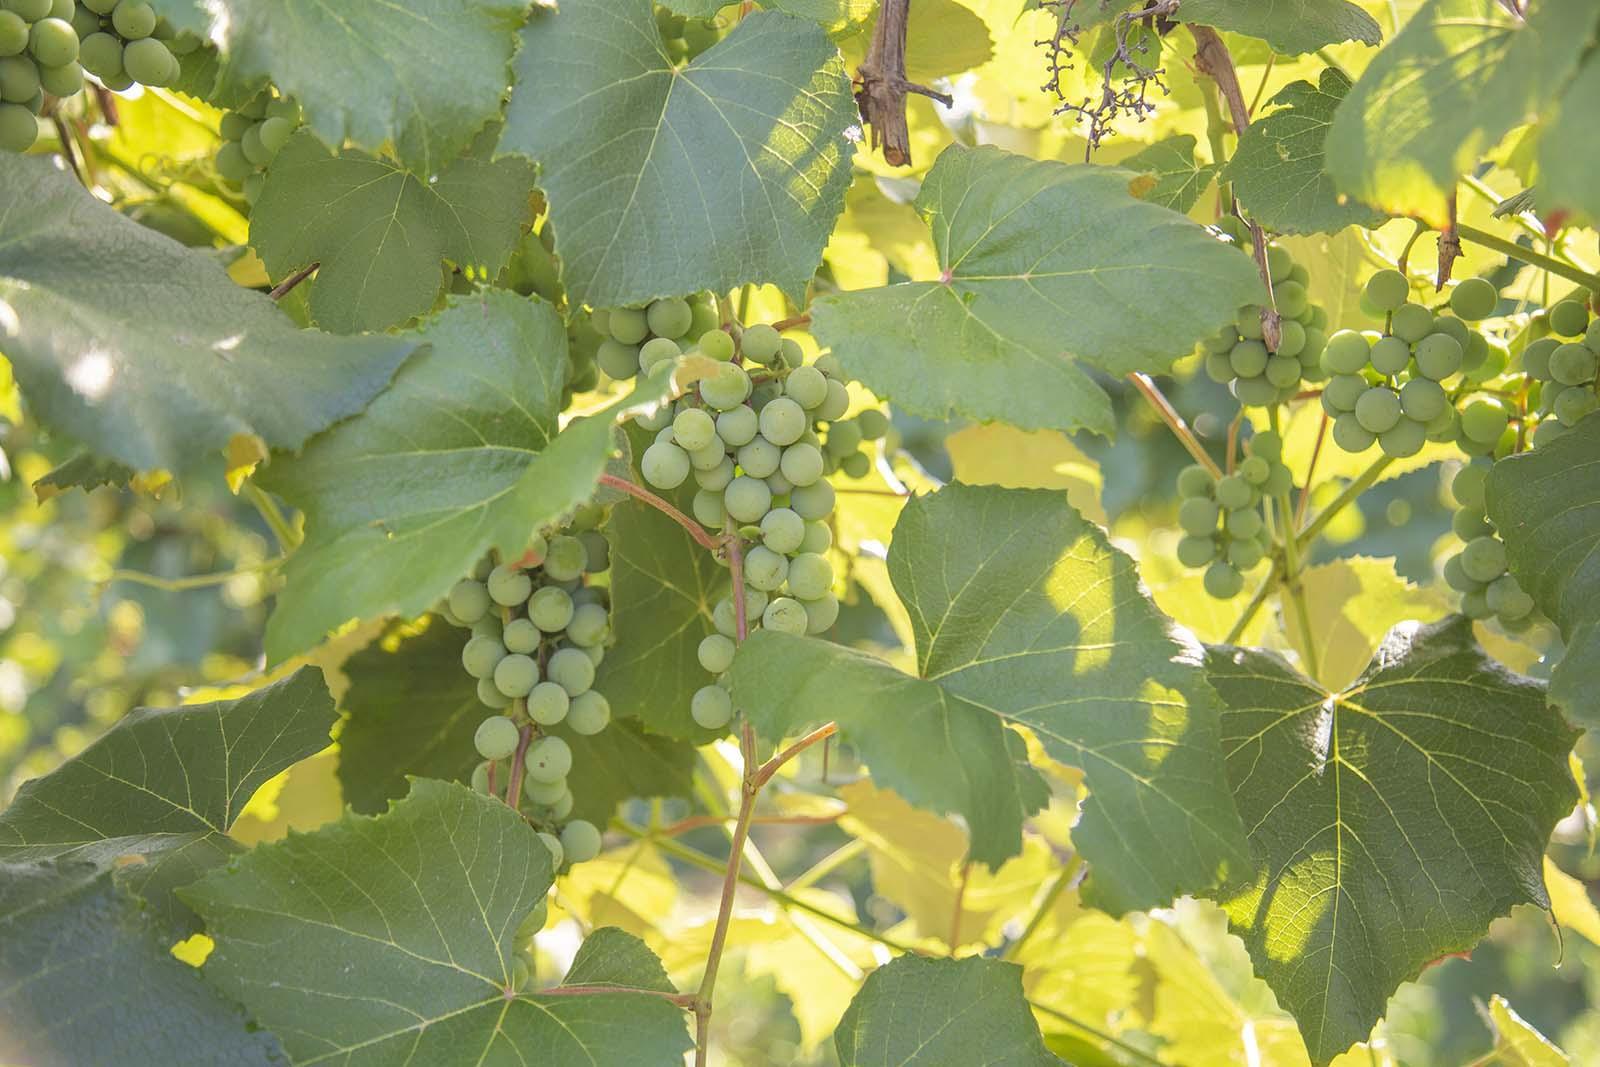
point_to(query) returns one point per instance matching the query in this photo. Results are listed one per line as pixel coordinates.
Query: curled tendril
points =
(1125, 81)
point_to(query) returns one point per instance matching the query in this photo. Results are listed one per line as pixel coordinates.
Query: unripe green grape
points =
(520, 636)
(1484, 558)
(231, 164)
(737, 427)
(1475, 605)
(627, 325)
(657, 350)
(801, 463)
(1455, 576)
(480, 656)
(550, 609)
(1547, 430)
(711, 707)
(1291, 338)
(747, 499)
(664, 465)
(708, 508)
(1423, 399)
(728, 388)
(1194, 480)
(1474, 299)
(488, 626)
(509, 586)
(1484, 361)
(818, 538)
(1390, 356)
(1279, 481)
(783, 421)
(120, 83)
(717, 478)
(1221, 342)
(548, 759)
(1255, 470)
(596, 551)
(1469, 523)
(1573, 364)
(590, 713)
(873, 423)
(572, 670)
(838, 402)
(844, 438)
(810, 576)
(708, 457)
(1248, 358)
(856, 465)
(813, 501)
(19, 80)
(715, 653)
(1219, 368)
(1439, 355)
(1195, 552)
(1347, 352)
(1255, 392)
(548, 703)
(546, 794)
(552, 844)
(1279, 263)
(764, 568)
(275, 133)
(1467, 487)
(1378, 409)
(85, 23)
(759, 458)
(618, 360)
(1282, 372)
(821, 613)
(1507, 599)
(516, 675)
(784, 615)
(1266, 444)
(1484, 420)
(1233, 491)
(1405, 438)
(778, 484)
(760, 343)
(669, 317)
(101, 55)
(1242, 522)
(14, 34)
(655, 420)
(1198, 516)
(63, 81)
(133, 19)
(1223, 580)
(148, 62)
(1291, 298)
(1574, 402)
(30, 10)
(1310, 354)
(480, 776)
(1443, 426)
(496, 737)
(1245, 553)
(716, 344)
(468, 601)
(1591, 336)
(18, 128)
(1387, 290)
(590, 625)
(53, 42)
(782, 530)
(1350, 435)
(1411, 323)
(580, 841)
(1568, 318)
(490, 694)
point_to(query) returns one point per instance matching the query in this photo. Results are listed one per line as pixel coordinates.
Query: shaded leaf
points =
(84, 471)
(1568, 147)
(1292, 27)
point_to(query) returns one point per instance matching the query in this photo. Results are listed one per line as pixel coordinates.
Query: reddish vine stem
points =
(283, 288)
(513, 787)
(703, 538)
(1169, 415)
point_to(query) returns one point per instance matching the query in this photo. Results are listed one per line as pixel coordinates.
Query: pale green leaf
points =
(1449, 86)
(1176, 178)
(423, 79)
(1393, 821)
(1048, 269)
(1024, 615)
(459, 456)
(388, 965)
(665, 180)
(411, 711)
(85, 981)
(1568, 147)
(1519, 1044)
(380, 232)
(1352, 604)
(945, 38)
(918, 1010)
(1278, 169)
(143, 349)
(1292, 27)
(158, 791)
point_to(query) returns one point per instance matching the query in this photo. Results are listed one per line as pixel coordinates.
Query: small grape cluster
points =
(123, 42)
(1224, 528)
(638, 338)
(1237, 355)
(686, 38)
(1386, 389)
(253, 134)
(1564, 369)
(1478, 571)
(38, 55)
(539, 630)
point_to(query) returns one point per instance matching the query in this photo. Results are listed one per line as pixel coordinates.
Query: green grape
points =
(1280, 481)
(765, 569)
(1483, 421)
(1347, 352)
(496, 737)
(709, 509)
(838, 402)
(857, 465)
(275, 133)
(1444, 426)
(1243, 522)
(468, 601)
(844, 438)
(1439, 355)
(590, 625)
(63, 81)
(783, 421)
(231, 164)
(1404, 438)
(19, 80)
(657, 350)
(1233, 491)
(1255, 392)
(1378, 409)
(1487, 361)
(782, 530)
(693, 430)
(101, 55)
(874, 424)
(148, 62)
(1423, 399)
(1266, 444)
(1198, 516)
(1536, 358)
(810, 576)
(133, 19)
(480, 777)
(664, 465)
(1483, 559)
(1507, 599)
(821, 613)
(53, 42)
(715, 653)
(710, 457)
(14, 34)
(802, 463)
(516, 675)
(534, 921)
(1255, 470)
(550, 609)
(1475, 605)
(1310, 354)
(488, 626)
(1195, 552)
(589, 714)
(480, 656)
(1387, 290)
(806, 386)
(1223, 580)
(596, 551)
(1547, 430)
(747, 499)
(548, 703)
(738, 426)
(1245, 553)
(759, 458)
(572, 670)
(580, 841)
(490, 694)
(1219, 368)
(818, 538)
(18, 128)
(711, 707)
(760, 343)
(784, 615)
(716, 344)
(654, 420)
(1248, 358)
(1569, 318)
(1411, 323)
(1195, 480)
(618, 360)
(1455, 576)
(1467, 487)
(30, 10)
(1350, 435)
(1279, 263)
(669, 317)
(1283, 372)
(549, 759)
(1574, 402)
(1474, 299)
(813, 501)
(1573, 364)
(1291, 338)
(717, 478)
(1291, 298)
(1468, 524)
(520, 636)
(1390, 356)
(1591, 336)
(728, 388)
(628, 325)
(509, 586)
(551, 842)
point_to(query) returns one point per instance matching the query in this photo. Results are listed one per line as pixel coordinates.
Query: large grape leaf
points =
(1392, 821)
(664, 180)
(919, 1010)
(1175, 178)
(366, 71)
(1047, 269)
(411, 711)
(1278, 169)
(460, 456)
(1569, 148)
(1290, 27)
(1449, 86)
(143, 349)
(1025, 615)
(85, 981)
(380, 232)
(398, 931)
(156, 793)
(1546, 506)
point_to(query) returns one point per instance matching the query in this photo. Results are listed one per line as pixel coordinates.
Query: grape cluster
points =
(252, 135)
(38, 55)
(539, 630)
(123, 42)
(1224, 529)
(638, 338)
(1237, 355)
(1564, 365)
(1478, 571)
(1387, 389)
(686, 38)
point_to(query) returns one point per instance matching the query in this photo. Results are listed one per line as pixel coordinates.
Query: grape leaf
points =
(945, 38)
(1393, 821)
(1024, 615)
(459, 456)
(1545, 504)
(366, 914)
(1277, 170)
(85, 981)
(1047, 267)
(380, 232)
(411, 711)
(1567, 146)
(1291, 28)
(1517, 1042)
(84, 471)
(916, 1009)
(144, 350)
(1176, 178)
(157, 792)
(365, 71)
(665, 180)
(1449, 86)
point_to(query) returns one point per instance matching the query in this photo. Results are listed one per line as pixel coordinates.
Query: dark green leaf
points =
(1049, 268)
(83, 471)
(144, 350)
(1393, 821)
(665, 180)
(1290, 28)
(1177, 178)
(1569, 147)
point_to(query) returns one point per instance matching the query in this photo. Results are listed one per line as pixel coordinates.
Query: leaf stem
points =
(283, 288)
(1169, 415)
(703, 538)
(1529, 256)
(1263, 591)
(828, 864)
(194, 581)
(1065, 877)
(1291, 571)
(1364, 481)
(288, 538)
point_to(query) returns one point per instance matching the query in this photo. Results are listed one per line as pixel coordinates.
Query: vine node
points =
(882, 85)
